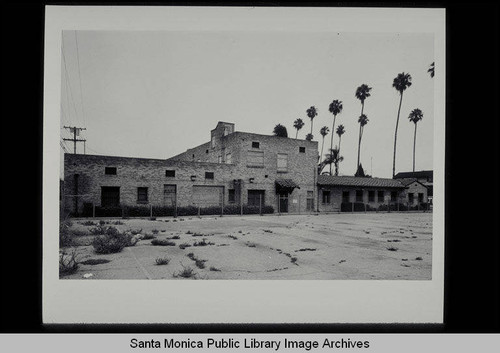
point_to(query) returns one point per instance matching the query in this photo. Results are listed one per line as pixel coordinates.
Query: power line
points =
(76, 131)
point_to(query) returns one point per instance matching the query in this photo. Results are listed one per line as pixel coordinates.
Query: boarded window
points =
(371, 196)
(302, 149)
(170, 173)
(231, 195)
(142, 195)
(255, 197)
(255, 144)
(380, 196)
(169, 195)
(326, 196)
(359, 195)
(255, 159)
(209, 175)
(282, 162)
(110, 170)
(345, 196)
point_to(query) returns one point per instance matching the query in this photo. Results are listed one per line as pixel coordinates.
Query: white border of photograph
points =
(242, 301)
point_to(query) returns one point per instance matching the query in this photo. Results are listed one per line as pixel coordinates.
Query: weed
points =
(293, 260)
(135, 231)
(215, 269)
(112, 243)
(155, 231)
(203, 243)
(199, 263)
(232, 237)
(101, 222)
(239, 231)
(404, 259)
(392, 248)
(268, 231)
(306, 249)
(250, 245)
(187, 272)
(184, 245)
(160, 242)
(175, 237)
(197, 234)
(189, 232)
(68, 263)
(162, 261)
(95, 261)
(148, 236)
(88, 223)
(116, 223)
(418, 258)
(342, 261)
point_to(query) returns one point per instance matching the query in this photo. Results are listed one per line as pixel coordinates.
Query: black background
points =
(471, 255)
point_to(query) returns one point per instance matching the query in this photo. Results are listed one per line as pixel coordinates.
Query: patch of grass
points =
(148, 236)
(418, 258)
(251, 245)
(189, 232)
(175, 237)
(199, 263)
(155, 231)
(267, 231)
(306, 249)
(214, 269)
(184, 245)
(68, 263)
(95, 261)
(187, 272)
(160, 242)
(233, 237)
(112, 242)
(197, 234)
(162, 261)
(392, 248)
(203, 243)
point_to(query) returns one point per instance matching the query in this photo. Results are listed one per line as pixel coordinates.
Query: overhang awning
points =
(285, 186)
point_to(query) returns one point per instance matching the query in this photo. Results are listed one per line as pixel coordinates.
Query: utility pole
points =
(76, 132)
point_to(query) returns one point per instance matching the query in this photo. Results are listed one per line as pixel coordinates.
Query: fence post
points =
(279, 204)
(299, 203)
(151, 211)
(260, 204)
(241, 207)
(365, 206)
(222, 209)
(199, 210)
(93, 210)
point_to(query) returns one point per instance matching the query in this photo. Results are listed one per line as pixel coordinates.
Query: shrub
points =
(68, 263)
(65, 236)
(95, 261)
(184, 245)
(162, 261)
(187, 272)
(135, 231)
(155, 231)
(88, 223)
(148, 236)
(202, 243)
(112, 242)
(215, 269)
(159, 242)
(392, 248)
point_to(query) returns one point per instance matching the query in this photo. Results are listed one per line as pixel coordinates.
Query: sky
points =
(154, 94)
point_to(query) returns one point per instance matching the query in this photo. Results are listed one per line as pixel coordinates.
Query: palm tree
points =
(431, 70)
(280, 130)
(334, 158)
(324, 131)
(309, 137)
(334, 108)
(340, 132)
(362, 92)
(363, 120)
(312, 113)
(298, 124)
(400, 83)
(415, 116)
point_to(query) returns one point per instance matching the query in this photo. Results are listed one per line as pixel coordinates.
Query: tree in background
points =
(335, 108)
(415, 116)
(363, 120)
(362, 93)
(400, 83)
(309, 137)
(312, 112)
(431, 70)
(298, 124)
(340, 131)
(324, 131)
(280, 130)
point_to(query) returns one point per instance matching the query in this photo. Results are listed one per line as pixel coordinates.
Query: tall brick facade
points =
(233, 168)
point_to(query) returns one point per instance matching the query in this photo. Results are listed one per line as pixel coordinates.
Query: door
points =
(110, 196)
(283, 206)
(169, 195)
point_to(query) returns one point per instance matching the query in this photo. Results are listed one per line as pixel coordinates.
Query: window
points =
(209, 175)
(420, 197)
(142, 195)
(345, 196)
(411, 198)
(255, 144)
(255, 159)
(380, 196)
(302, 150)
(255, 197)
(170, 173)
(310, 201)
(206, 151)
(110, 196)
(394, 195)
(326, 196)
(282, 162)
(371, 196)
(110, 170)
(229, 158)
(231, 196)
(359, 195)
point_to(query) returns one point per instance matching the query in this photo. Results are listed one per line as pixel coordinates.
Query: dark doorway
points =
(256, 197)
(110, 196)
(283, 203)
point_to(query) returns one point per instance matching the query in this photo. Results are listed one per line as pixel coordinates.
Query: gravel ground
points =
(378, 246)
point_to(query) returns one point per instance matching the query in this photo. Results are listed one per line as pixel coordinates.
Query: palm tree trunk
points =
(297, 134)
(414, 144)
(322, 145)
(396, 137)
(331, 143)
(311, 126)
(337, 167)
(359, 142)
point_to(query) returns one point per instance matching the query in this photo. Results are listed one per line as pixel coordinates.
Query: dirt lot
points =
(382, 246)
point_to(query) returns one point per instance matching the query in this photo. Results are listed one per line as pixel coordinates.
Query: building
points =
(346, 193)
(425, 177)
(233, 168)
(415, 193)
